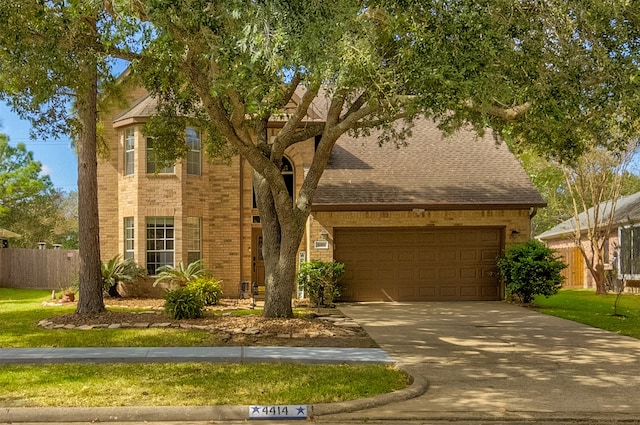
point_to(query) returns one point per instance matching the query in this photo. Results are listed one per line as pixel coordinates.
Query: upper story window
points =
(287, 175)
(194, 156)
(129, 147)
(153, 166)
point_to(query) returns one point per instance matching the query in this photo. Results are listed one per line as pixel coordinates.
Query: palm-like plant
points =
(114, 271)
(180, 275)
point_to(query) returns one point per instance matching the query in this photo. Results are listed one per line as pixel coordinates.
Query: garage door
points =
(419, 264)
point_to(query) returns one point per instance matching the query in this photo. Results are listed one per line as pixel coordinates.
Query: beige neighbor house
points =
(621, 250)
(421, 222)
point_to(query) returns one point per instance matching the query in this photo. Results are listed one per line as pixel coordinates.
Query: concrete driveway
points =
(497, 361)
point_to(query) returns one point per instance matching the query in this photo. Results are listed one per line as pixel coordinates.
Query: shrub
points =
(114, 271)
(321, 281)
(184, 303)
(530, 269)
(207, 288)
(180, 275)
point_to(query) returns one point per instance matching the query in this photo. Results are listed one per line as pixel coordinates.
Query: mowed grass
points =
(21, 310)
(192, 384)
(584, 306)
(162, 384)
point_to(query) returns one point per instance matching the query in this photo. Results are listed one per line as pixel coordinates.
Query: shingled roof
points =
(462, 171)
(626, 213)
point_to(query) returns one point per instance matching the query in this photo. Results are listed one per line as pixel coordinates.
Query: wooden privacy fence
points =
(574, 273)
(38, 268)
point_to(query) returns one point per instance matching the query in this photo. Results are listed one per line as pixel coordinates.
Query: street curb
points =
(193, 413)
(418, 387)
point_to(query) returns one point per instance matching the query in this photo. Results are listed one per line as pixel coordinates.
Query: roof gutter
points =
(426, 207)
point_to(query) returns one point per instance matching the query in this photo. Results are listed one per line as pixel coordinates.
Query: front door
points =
(257, 260)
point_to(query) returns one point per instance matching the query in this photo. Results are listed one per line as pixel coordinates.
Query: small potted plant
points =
(69, 293)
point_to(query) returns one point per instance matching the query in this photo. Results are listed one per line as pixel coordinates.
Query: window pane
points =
(153, 166)
(128, 237)
(194, 156)
(160, 243)
(129, 146)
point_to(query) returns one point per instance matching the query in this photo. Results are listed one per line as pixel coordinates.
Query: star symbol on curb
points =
(301, 410)
(255, 409)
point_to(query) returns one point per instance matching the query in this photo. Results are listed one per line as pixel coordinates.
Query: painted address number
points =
(290, 411)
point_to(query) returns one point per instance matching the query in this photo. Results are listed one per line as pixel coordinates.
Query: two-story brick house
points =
(422, 222)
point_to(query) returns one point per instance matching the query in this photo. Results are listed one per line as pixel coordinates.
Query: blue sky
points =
(57, 157)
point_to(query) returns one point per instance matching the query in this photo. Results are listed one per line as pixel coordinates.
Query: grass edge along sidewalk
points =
(70, 385)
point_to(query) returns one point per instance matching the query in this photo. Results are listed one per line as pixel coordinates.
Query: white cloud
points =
(46, 170)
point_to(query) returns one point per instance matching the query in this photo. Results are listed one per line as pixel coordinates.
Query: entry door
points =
(257, 260)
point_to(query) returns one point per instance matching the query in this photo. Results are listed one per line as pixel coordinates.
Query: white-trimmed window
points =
(629, 257)
(153, 166)
(129, 151)
(194, 156)
(194, 239)
(160, 243)
(128, 237)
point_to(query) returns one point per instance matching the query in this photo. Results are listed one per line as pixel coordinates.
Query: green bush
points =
(115, 270)
(179, 275)
(207, 288)
(530, 269)
(321, 281)
(184, 303)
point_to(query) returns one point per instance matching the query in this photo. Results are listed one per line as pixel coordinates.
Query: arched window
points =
(287, 175)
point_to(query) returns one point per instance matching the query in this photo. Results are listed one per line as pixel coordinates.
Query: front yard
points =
(182, 384)
(584, 306)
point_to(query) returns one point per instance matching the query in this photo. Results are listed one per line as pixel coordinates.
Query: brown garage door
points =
(418, 264)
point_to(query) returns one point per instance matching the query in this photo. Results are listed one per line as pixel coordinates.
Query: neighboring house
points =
(5, 235)
(621, 250)
(422, 222)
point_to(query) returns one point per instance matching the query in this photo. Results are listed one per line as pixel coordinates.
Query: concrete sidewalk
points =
(304, 355)
(145, 414)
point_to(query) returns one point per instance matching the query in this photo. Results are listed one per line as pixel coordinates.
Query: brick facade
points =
(222, 198)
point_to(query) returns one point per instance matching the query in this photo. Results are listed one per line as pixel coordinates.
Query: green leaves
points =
(530, 269)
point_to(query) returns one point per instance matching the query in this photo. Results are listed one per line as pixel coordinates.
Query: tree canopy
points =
(554, 76)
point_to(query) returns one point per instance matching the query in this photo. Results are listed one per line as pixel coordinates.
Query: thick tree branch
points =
(119, 53)
(282, 139)
(511, 113)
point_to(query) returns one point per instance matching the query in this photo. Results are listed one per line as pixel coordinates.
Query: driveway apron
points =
(496, 361)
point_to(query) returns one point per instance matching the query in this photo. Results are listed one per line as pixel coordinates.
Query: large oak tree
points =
(553, 74)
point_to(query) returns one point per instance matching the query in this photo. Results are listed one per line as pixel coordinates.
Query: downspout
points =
(240, 216)
(308, 234)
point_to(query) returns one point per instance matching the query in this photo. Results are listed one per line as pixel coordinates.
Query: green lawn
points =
(21, 310)
(183, 384)
(192, 384)
(584, 306)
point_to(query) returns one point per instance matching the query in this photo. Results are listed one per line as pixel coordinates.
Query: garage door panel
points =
(410, 264)
(448, 291)
(469, 291)
(469, 273)
(446, 255)
(469, 255)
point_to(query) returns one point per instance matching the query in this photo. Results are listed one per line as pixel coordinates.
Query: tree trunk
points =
(91, 298)
(281, 239)
(600, 279)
